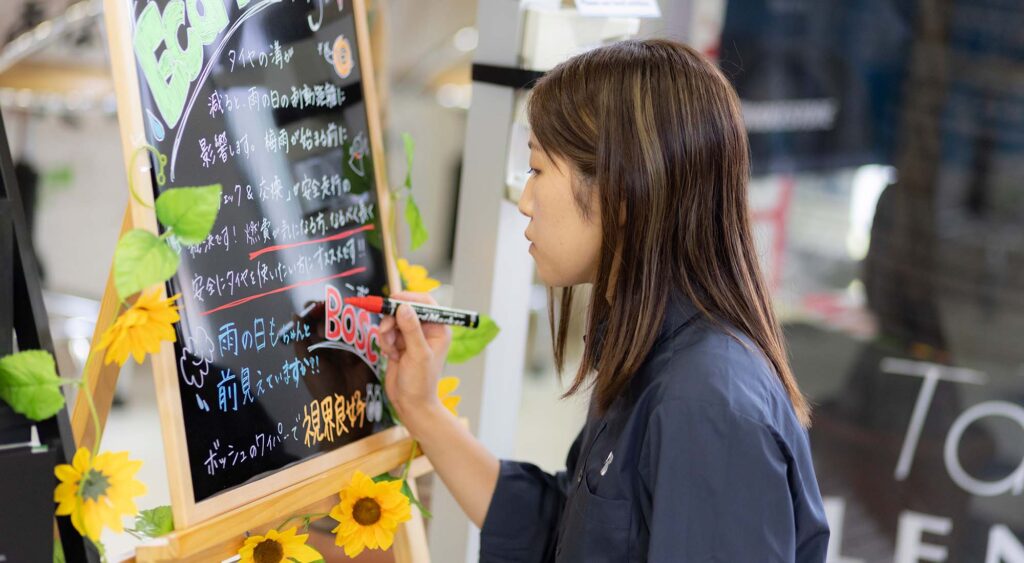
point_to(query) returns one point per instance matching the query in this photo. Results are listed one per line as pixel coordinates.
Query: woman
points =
(695, 448)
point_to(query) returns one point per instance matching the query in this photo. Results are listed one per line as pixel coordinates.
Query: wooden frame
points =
(221, 536)
(218, 523)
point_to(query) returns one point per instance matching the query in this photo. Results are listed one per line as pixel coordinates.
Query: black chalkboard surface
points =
(266, 98)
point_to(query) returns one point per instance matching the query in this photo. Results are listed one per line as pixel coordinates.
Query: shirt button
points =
(579, 476)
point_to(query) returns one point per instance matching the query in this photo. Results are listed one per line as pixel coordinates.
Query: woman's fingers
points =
(391, 343)
(431, 331)
(436, 332)
(386, 340)
(412, 333)
(396, 337)
(391, 382)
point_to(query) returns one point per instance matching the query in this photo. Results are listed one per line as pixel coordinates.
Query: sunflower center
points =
(94, 485)
(268, 551)
(366, 511)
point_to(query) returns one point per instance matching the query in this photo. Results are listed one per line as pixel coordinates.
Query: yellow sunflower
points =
(445, 387)
(139, 330)
(278, 546)
(98, 491)
(416, 278)
(368, 514)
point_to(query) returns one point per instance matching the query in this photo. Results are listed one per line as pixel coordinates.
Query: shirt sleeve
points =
(717, 486)
(522, 519)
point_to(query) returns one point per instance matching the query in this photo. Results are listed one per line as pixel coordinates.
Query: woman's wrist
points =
(421, 421)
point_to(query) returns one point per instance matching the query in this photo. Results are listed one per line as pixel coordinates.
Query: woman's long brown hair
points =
(657, 131)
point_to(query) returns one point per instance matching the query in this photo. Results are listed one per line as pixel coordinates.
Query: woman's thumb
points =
(412, 332)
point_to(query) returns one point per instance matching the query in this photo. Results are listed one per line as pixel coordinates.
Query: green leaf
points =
(58, 551)
(29, 383)
(60, 177)
(155, 522)
(407, 491)
(410, 148)
(190, 212)
(417, 231)
(468, 342)
(141, 260)
(375, 239)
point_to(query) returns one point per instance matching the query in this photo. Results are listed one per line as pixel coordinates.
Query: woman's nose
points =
(526, 200)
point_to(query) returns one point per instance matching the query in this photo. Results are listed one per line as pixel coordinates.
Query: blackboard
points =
(269, 98)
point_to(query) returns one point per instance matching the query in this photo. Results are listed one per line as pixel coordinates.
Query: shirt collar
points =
(679, 312)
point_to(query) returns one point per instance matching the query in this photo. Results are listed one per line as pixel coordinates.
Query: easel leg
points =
(101, 379)
(411, 538)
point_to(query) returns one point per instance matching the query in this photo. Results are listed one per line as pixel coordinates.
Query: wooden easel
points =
(219, 537)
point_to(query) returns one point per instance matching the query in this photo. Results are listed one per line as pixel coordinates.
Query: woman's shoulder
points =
(713, 367)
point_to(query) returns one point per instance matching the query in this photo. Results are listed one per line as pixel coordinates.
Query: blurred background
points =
(887, 139)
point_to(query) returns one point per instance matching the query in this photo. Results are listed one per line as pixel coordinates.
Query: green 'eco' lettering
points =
(213, 20)
(170, 75)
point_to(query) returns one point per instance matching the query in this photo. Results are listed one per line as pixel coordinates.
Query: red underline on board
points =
(244, 300)
(338, 236)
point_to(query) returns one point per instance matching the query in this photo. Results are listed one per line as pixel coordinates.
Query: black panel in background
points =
(944, 284)
(27, 490)
(14, 428)
(6, 281)
(31, 326)
(793, 61)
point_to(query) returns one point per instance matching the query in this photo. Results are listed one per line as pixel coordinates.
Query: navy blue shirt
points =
(701, 459)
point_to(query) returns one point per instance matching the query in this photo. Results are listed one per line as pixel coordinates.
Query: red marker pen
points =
(426, 313)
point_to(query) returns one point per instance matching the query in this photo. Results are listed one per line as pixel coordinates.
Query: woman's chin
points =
(550, 279)
(542, 272)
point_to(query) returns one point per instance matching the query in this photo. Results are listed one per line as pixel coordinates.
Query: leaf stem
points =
(302, 516)
(161, 161)
(412, 456)
(131, 177)
(84, 387)
(95, 416)
(135, 533)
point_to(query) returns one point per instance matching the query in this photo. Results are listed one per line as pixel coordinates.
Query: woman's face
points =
(566, 247)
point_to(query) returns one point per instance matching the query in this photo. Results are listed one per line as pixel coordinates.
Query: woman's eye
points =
(531, 171)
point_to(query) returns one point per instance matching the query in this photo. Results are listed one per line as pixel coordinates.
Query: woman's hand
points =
(416, 355)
